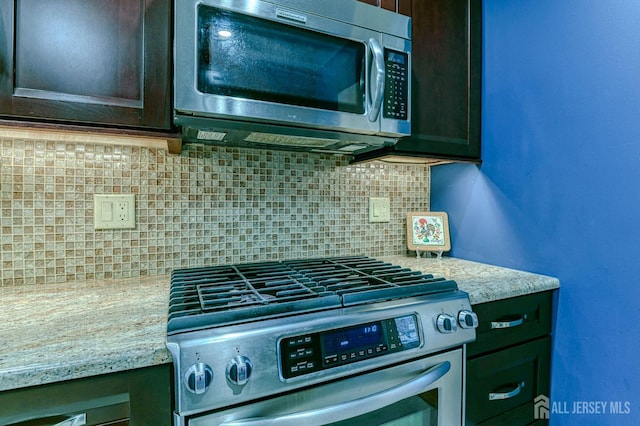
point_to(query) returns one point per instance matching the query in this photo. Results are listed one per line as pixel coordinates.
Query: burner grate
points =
(258, 292)
(220, 295)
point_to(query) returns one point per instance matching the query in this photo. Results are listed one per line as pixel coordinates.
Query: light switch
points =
(114, 211)
(106, 211)
(379, 209)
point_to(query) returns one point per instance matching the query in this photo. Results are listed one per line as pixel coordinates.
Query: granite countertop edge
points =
(483, 282)
(64, 331)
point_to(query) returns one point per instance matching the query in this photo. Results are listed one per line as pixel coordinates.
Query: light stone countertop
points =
(56, 332)
(484, 283)
(64, 331)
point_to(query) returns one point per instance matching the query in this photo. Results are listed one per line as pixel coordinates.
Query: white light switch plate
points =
(114, 211)
(379, 209)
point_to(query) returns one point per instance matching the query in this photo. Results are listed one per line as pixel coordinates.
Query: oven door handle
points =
(353, 408)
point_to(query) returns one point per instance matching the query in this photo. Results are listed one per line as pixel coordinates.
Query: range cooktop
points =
(221, 295)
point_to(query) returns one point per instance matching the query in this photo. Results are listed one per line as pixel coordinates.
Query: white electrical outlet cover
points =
(114, 211)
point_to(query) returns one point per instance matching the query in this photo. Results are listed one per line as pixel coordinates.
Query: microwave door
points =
(270, 70)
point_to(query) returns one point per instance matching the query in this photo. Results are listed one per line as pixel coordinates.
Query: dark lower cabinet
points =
(501, 384)
(508, 366)
(104, 62)
(134, 397)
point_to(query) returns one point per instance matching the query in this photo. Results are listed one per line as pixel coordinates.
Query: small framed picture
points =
(428, 231)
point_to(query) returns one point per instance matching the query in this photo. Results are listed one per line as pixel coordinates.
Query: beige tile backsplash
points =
(209, 205)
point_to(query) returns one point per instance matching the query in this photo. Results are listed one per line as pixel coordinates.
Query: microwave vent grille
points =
(212, 136)
(273, 139)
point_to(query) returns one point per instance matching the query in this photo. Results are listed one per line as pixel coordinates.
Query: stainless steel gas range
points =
(348, 341)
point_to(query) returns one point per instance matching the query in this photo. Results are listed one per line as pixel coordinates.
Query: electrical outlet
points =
(379, 209)
(114, 211)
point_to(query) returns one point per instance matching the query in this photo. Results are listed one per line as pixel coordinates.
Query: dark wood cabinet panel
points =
(508, 365)
(399, 6)
(103, 62)
(404, 7)
(507, 379)
(138, 397)
(447, 61)
(519, 416)
(504, 324)
(446, 82)
(388, 4)
(79, 49)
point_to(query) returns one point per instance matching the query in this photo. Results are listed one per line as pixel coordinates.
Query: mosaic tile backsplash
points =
(207, 206)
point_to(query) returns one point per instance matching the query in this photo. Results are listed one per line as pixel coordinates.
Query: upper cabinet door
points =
(400, 6)
(404, 6)
(447, 78)
(87, 61)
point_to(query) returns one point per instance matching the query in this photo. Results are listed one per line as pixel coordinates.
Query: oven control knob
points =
(198, 378)
(467, 319)
(239, 370)
(446, 324)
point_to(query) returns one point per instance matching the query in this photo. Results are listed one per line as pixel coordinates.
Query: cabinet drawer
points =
(520, 416)
(511, 321)
(505, 380)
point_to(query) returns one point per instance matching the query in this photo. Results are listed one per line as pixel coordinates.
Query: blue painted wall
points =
(558, 192)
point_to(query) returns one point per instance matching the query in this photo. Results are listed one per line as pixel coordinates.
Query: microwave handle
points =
(353, 408)
(377, 92)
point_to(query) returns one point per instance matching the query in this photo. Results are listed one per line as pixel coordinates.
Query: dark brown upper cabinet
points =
(400, 6)
(446, 83)
(98, 62)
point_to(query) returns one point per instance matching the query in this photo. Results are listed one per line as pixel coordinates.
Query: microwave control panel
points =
(396, 92)
(313, 352)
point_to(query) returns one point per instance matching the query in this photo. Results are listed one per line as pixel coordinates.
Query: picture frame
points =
(428, 232)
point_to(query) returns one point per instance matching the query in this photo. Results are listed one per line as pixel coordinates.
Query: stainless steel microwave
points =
(307, 75)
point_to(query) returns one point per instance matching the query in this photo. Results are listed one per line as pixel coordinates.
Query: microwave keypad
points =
(396, 85)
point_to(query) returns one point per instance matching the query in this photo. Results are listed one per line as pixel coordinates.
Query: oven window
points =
(420, 410)
(250, 58)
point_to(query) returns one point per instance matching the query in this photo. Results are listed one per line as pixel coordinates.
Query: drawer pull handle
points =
(506, 395)
(507, 324)
(77, 420)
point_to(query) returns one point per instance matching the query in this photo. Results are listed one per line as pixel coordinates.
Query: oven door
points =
(423, 392)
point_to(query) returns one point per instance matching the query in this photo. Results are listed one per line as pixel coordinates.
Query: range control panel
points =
(308, 353)
(396, 92)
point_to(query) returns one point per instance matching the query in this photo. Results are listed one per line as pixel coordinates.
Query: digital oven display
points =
(308, 353)
(348, 339)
